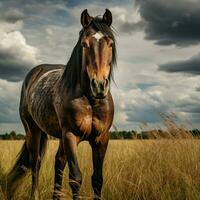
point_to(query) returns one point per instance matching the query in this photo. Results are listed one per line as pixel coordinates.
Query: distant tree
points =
(13, 135)
(114, 135)
(195, 132)
(20, 137)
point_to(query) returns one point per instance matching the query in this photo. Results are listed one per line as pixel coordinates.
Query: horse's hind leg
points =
(35, 141)
(60, 162)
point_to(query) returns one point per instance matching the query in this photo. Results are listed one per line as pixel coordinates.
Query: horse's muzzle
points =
(99, 88)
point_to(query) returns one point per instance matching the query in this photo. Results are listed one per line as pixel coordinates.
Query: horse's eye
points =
(111, 44)
(84, 45)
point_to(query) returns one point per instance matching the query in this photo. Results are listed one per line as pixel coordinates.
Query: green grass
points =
(133, 169)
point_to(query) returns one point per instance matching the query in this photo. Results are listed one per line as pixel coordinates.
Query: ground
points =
(163, 169)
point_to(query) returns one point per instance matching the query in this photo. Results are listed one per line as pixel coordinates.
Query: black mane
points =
(72, 73)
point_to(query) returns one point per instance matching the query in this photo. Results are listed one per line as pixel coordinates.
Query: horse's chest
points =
(88, 120)
(81, 120)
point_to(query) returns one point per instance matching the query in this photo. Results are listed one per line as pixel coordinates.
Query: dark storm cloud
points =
(189, 107)
(9, 112)
(89, 2)
(11, 15)
(191, 66)
(198, 89)
(192, 109)
(171, 22)
(12, 70)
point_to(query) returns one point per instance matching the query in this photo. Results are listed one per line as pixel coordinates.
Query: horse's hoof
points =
(35, 196)
(76, 197)
(97, 197)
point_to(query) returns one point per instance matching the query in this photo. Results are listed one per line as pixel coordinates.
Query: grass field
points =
(134, 169)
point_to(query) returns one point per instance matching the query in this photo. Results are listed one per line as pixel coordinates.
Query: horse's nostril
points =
(102, 85)
(106, 82)
(99, 88)
(94, 83)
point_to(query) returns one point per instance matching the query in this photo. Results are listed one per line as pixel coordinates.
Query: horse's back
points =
(38, 71)
(35, 74)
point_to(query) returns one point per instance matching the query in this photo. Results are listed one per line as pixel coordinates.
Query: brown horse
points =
(72, 103)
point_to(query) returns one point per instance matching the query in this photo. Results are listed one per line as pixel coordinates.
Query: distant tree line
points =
(123, 134)
(154, 134)
(12, 136)
(113, 135)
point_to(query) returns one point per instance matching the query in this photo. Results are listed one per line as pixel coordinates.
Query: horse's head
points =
(98, 52)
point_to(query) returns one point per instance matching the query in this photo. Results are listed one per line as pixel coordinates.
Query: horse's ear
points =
(85, 18)
(107, 17)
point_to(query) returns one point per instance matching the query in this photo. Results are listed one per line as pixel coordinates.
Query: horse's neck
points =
(72, 73)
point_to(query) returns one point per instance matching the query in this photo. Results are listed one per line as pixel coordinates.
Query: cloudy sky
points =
(158, 45)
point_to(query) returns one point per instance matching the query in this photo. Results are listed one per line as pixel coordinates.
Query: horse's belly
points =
(47, 121)
(51, 126)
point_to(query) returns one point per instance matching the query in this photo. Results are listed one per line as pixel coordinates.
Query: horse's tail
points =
(22, 165)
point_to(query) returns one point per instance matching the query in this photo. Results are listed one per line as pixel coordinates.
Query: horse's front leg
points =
(75, 176)
(98, 154)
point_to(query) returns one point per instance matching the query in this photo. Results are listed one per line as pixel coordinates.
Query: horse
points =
(73, 103)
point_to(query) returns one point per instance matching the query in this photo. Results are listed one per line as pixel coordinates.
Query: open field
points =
(134, 169)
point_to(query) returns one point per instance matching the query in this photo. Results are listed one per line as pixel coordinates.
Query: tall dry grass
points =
(164, 169)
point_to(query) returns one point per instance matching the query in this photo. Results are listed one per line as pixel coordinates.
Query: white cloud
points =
(16, 56)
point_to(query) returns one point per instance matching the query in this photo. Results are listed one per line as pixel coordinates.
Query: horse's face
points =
(97, 58)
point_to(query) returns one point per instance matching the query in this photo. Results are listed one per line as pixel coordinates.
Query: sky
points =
(158, 64)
